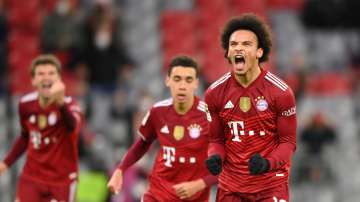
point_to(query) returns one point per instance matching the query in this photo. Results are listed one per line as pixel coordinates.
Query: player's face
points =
(182, 83)
(45, 75)
(243, 51)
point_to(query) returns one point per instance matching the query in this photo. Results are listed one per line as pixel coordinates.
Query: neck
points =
(44, 102)
(182, 108)
(249, 77)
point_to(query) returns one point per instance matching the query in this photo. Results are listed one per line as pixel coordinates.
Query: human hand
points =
(3, 167)
(115, 183)
(57, 92)
(258, 164)
(186, 190)
(214, 164)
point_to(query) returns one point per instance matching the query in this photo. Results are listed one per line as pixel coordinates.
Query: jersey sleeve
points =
(147, 130)
(20, 145)
(286, 129)
(137, 150)
(72, 115)
(216, 132)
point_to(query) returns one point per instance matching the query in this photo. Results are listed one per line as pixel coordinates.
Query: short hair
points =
(184, 61)
(253, 23)
(43, 60)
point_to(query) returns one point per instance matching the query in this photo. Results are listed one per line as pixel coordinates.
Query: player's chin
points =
(45, 93)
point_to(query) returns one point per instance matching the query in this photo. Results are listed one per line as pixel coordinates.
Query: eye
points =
(176, 79)
(189, 79)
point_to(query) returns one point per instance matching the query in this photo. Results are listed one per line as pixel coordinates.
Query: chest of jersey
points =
(179, 131)
(248, 113)
(43, 128)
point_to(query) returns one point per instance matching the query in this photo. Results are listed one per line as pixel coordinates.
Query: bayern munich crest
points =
(261, 103)
(194, 130)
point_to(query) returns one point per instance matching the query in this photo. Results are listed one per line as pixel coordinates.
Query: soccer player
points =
(253, 128)
(50, 124)
(181, 125)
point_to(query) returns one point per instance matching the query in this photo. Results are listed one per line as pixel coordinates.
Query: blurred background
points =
(115, 54)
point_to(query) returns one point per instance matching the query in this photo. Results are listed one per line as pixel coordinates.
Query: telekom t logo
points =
(168, 155)
(237, 128)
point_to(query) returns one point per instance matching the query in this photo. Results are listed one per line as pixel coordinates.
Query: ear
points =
(259, 53)
(33, 83)
(167, 81)
(196, 83)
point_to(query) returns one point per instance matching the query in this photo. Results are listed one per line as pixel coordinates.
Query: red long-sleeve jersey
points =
(49, 137)
(260, 118)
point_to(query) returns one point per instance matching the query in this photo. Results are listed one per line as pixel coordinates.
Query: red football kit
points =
(260, 118)
(183, 149)
(49, 137)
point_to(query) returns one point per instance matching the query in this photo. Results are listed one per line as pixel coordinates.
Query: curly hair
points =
(253, 23)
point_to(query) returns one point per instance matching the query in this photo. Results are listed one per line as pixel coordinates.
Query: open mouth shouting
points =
(239, 62)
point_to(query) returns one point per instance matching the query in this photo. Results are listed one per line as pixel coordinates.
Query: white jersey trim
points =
(141, 135)
(72, 192)
(29, 97)
(276, 81)
(202, 106)
(164, 103)
(221, 80)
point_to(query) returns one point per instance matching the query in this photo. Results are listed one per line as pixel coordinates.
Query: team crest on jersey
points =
(178, 132)
(42, 121)
(261, 103)
(245, 104)
(194, 130)
(52, 119)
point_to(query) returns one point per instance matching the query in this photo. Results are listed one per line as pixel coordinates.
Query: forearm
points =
(216, 139)
(216, 148)
(281, 155)
(16, 150)
(136, 151)
(287, 143)
(71, 119)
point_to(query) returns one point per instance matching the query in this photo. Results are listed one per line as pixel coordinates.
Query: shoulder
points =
(73, 103)
(201, 106)
(276, 84)
(30, 97)
(161, 105)
(220, 82)
(217, 86)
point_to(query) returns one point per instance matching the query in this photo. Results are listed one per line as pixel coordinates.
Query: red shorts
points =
(30, 191)
(277, 194)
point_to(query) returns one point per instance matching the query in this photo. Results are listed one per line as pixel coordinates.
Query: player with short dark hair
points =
(50, 124)
(253, 128)
(181, 125)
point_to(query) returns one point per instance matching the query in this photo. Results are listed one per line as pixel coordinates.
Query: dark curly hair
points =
(184, 61)
(253, 23)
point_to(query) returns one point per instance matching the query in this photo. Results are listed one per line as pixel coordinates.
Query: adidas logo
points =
(165, 129)
(229, 105)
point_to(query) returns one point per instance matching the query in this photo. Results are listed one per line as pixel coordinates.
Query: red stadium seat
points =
(286, 4)
(258, 7)
(178, 34)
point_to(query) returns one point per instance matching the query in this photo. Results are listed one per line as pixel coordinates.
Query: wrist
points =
(201, 184)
